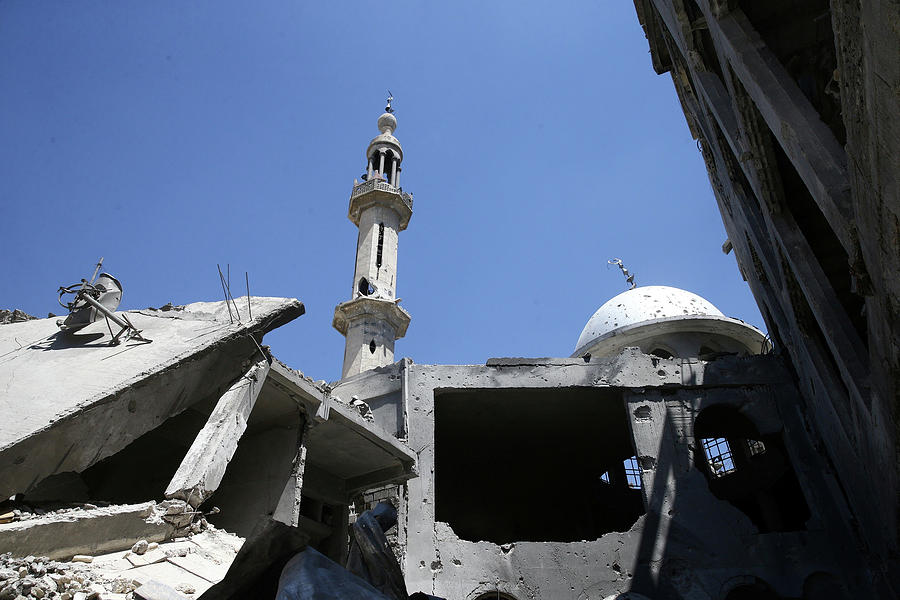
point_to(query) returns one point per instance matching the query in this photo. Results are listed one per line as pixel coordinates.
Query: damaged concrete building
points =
(677, 453)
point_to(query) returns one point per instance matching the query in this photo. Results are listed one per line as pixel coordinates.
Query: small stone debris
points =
(14, 316)
(140, 547)
(82, 558)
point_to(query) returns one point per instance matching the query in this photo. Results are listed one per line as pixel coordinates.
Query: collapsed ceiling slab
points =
(72, 400)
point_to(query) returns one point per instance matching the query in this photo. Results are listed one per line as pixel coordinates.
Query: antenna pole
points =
(97, 270)
(629, 277)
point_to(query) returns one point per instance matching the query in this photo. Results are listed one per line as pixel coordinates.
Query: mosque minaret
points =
(372, 319)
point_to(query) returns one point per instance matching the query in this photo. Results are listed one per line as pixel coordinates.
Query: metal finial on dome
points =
(629, 277)
(390, 99)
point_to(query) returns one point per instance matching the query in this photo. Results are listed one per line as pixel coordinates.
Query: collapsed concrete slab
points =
(64, 534)
(203, 467)
(72, 399)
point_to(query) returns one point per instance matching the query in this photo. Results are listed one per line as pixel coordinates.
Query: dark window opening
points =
(496, 595)
(540, 465)
(661, 353)
(755, 447)
(388, 166)
(380, 245)
(762, 485)
(366, 288)
(758, 590)
(372, 346)
(800, 35)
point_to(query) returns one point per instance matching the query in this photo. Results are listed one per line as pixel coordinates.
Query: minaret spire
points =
(372, 319)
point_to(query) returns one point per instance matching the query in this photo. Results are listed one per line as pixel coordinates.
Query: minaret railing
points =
(383, 186)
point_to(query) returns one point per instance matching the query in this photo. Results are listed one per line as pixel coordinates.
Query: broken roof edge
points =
(321, 406)
(644, 370)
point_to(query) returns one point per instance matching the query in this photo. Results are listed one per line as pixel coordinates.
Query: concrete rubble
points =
(14, 316)
(126, 466)
(185, 566)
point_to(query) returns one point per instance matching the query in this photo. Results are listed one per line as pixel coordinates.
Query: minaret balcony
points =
(387, 311)
(376, 191)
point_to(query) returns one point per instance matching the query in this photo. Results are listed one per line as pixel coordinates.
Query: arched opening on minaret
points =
(386, 164)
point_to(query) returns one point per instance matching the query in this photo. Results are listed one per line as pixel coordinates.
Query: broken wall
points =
(688, 542)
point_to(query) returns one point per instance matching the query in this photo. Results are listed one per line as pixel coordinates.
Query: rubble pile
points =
(39, 577)
(14, 316)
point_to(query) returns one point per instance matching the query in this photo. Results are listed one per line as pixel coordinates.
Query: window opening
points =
(718, 456)
(380, 245)
(755, 447)
(633, 473)
(372, 346)
(574, 421)
(495, 595)
(760, 481)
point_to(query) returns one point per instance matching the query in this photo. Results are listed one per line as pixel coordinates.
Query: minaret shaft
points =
(376, 255)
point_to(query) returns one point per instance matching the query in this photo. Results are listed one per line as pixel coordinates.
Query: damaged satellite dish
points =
(106, 290)
(96, 299)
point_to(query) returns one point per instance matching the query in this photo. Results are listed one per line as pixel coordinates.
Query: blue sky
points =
(171, 136)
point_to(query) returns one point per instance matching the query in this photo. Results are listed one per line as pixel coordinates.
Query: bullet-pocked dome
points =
(641, 304)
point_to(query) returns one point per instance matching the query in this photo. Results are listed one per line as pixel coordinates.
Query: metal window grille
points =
(633, 473)
(718, 456)
(755, 447)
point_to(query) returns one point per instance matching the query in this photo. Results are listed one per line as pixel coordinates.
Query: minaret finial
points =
(629, 277)
(390, 99)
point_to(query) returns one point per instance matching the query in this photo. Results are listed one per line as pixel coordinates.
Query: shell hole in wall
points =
(365, 288)
(510, 453)
(751, 471)
(661, 353)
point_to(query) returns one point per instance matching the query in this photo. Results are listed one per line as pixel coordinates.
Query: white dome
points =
(643, 304)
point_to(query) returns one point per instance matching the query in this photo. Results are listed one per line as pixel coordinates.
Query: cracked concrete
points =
(62, 391)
